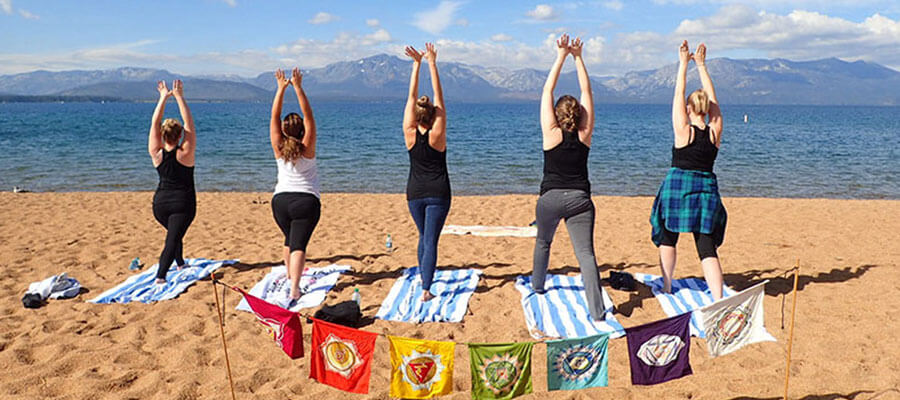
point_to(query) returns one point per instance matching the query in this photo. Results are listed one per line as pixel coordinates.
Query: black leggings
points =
(176, 217)
(297, 214)
(706, 245)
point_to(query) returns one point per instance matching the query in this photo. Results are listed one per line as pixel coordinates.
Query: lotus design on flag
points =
(274, 327)
(660, 350)
(732, 325)
(577, 362)
(500, 373)
(422, 370)
(341, 355)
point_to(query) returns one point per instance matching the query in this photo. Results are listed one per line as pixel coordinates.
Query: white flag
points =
(735, 321)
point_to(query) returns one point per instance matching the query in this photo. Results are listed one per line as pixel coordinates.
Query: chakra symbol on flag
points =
(340, 356)
(500, 372)
(274, 327)
(731, 326)
(422, 370)
(660, 350)
(577, 362)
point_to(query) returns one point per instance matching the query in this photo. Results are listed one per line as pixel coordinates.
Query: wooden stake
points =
(222, 330)
(787, 370)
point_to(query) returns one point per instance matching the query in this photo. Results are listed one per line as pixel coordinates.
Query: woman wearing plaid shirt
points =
(688, 199)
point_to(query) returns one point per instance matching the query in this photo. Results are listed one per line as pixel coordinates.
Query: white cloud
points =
(437, 20)
(372, 22)
(231, 3)
(379, 36)
(322, 18)
(501, 37)
(27, 15)
(614, 5)
(543, 12)
(462, 22)
(7, 7)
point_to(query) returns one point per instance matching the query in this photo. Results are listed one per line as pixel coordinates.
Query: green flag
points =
(500, 370)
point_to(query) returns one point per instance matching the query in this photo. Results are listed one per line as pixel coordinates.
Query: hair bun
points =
(423, 101)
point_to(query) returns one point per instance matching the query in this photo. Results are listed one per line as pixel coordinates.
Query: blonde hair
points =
(568, 113)
(171, 130)
(291, 132)
(424, 111)
(699, 102)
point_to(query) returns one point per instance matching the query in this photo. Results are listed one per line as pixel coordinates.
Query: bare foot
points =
(427, 296)
(160, 281)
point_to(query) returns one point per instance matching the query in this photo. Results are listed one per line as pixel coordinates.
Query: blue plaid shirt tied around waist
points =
(688, 201)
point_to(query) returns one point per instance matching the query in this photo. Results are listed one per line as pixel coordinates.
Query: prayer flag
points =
(500, 371)
(421, 369)
(577, 363)
(283, 325)
(659, 351)
(341, 356)
(736, 321)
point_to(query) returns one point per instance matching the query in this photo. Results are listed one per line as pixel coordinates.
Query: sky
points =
(246, 37)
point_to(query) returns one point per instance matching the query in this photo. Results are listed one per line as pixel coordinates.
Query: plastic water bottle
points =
(389, 244)
(135, 264)
(355, 297)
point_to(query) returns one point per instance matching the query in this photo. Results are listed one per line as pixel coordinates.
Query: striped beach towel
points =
(562, 311)
(688, 201)
(687, 295)
(315, 283)
(451, 288)
(481, 230)
(142, 287)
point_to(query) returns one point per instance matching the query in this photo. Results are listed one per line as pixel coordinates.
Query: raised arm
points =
(409, 113)
(189, 143)
(275, 121)
(549, 125)
(439, 127)
(715, 113)
(680, 123)
(587, 96)
(155, 142)
(309, 121)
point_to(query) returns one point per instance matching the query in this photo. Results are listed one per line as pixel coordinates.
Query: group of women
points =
(688, 199)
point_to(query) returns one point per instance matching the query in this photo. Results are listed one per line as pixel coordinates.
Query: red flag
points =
(283, 325)
(342, 356)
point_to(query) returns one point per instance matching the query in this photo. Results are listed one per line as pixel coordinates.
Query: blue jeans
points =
(429, 214)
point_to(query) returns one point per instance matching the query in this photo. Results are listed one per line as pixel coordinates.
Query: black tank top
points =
(176, 181)
(699, 154)
(565, 166)
(428, 175)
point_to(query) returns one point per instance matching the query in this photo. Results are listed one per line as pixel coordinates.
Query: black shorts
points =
(297, 215)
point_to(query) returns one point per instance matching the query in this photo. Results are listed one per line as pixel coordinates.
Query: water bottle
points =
(355, 297)
(135, 264)
(389, 244)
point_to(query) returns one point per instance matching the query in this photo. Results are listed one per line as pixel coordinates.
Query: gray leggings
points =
(576, 207)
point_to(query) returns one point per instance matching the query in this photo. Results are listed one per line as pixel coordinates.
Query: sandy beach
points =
(845, 337)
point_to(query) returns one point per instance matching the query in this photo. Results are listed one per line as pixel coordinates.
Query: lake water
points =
(784, 151)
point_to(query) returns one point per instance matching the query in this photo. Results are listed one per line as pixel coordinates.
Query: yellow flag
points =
(420, 369)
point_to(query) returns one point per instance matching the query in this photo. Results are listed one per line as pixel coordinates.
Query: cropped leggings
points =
(297, 215)
(706, 244)
(429, 215)
(576, 207)
(176, 216)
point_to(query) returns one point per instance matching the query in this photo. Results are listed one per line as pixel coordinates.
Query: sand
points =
(846, 343)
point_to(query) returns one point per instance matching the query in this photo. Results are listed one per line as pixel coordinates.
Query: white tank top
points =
(299, 176)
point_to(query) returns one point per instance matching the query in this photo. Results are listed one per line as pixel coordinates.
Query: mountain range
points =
(828, 81)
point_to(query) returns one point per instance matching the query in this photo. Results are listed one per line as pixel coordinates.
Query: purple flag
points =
(658, 351)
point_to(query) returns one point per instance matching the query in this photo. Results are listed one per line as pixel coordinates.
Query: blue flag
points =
(577, 363)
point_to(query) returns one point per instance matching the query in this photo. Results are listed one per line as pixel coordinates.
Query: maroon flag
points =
(283, 325)
(659, 350)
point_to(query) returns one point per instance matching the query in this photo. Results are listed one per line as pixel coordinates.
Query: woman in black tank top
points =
(428, 186)
(171, 148)
(688, 199)
(566, 190)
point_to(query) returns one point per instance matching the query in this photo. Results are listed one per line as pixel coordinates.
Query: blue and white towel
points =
(687, 295)
(451, 288)
(562, 312)
(142, 287)
(315, 283)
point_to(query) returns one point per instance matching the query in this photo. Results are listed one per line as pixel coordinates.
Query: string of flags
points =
(658, 352)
